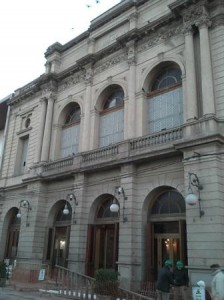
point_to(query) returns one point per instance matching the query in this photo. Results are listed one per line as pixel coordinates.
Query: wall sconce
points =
(194, 198)
(70, 197)
(24, 204)
(119, 191)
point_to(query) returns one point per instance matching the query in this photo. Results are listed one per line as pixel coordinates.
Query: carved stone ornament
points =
(72, 80)
(110, 63)
(89, 76)
(132, 61)
(160, 36)
(196, 15)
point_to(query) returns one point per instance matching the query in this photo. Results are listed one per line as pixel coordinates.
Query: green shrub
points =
(107, 282)
(3, 274)
(3, 270)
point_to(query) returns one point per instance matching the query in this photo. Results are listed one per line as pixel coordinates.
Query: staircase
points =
(74, 285)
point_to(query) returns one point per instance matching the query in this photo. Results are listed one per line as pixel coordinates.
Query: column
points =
(190, 104)
(43, 109)
(86, 120)
(131, 132)
(47, 129)
(206, 71)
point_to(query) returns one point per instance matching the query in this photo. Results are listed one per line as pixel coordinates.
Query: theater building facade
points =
(105, 151)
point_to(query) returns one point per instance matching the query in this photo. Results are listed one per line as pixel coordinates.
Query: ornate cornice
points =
(184, 14)
(72, 80)
(160, 35)
(110, 63)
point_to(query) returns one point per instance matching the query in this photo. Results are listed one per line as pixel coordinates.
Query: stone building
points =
(103, 148)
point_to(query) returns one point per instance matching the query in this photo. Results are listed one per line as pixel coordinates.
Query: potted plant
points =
(3, 274)
(106, 283)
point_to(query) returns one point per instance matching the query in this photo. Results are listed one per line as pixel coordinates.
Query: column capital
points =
(89, 74)
(196, 15)
(131, 45)
(204, 21)
(187, 29)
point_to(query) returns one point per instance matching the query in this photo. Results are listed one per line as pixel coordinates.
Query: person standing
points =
(217, 285)
(181, 281)
(165, 280)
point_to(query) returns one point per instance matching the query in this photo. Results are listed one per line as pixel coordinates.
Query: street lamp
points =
(24, 204)
(193, 198)
(70, 198)
(115, 207)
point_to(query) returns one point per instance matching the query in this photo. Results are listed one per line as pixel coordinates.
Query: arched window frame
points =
(170, 115)
(111, 129)
(166, 196)
(71, 124)
(103, 212)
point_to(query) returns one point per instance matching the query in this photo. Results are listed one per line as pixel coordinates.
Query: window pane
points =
(111, 127)
(167, 78)
(23, 162)
(70, 140)
(115, 99)
(165, 111)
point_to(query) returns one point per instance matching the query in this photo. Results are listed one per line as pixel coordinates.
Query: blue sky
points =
(28, 27)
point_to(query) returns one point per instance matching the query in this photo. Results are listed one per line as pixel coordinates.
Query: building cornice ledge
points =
(198, 141)
(31, 88)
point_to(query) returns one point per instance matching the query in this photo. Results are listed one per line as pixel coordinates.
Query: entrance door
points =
(102, 248)
(106, 245)
(166, 246)
(166, 232)
(60, 252)
(169, 242)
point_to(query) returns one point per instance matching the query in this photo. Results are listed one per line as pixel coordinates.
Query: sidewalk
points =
(29, 290)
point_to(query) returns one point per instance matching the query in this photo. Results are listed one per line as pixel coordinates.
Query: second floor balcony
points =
(151, 146)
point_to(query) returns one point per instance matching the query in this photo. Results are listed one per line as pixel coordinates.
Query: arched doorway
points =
(12, 235)
(59, 236)
(166, 231)
(102, 240)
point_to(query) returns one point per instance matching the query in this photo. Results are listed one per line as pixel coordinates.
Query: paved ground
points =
(26, 291)
(9, 293)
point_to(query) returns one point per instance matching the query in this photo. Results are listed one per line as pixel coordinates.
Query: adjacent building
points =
(103, 148)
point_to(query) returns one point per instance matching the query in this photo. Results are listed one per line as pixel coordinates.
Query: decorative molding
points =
(110, 63)
(196, 15)
(159, 36)
(89, 75)
(72, 80)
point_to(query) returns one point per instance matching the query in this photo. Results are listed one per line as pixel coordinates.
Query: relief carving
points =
(159, 36)
(72, 80)
(196, 15)
(110, 63)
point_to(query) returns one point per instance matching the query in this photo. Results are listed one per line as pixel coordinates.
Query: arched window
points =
(170, 202)
(112, 117)
(165, 102)
(104, 210)
(70, 131)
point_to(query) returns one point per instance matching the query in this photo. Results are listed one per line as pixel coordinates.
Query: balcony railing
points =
(58, 164)
(162, 137)
(123, 150)
(100, 153)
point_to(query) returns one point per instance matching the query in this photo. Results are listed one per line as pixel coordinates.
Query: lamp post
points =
(70, 198)
(24, 204)
(115, 207)
(194, 198)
